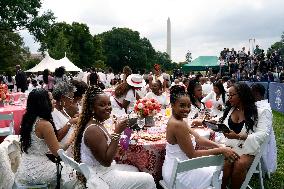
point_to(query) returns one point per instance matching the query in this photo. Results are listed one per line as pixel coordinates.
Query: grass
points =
(277, 179)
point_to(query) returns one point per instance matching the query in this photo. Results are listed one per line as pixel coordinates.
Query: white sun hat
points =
(135, 80)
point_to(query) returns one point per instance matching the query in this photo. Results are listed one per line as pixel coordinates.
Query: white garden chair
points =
(84, 169)
(195, 163)
(256, 168)
(5, 131)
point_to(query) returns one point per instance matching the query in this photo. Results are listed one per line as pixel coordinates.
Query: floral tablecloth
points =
(148, 156)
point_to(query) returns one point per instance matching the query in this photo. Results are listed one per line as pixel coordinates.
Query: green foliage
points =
(278, 47)
(30, 63)
(80, 46)
(100, 64)
(188, 57)
(12, 50)
(277, 179)
(122, 47)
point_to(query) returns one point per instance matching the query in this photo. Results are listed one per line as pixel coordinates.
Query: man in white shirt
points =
(109, 78)
(269, 155)
(102, 77)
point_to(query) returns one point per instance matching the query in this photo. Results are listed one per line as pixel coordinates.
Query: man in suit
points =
(21, 79)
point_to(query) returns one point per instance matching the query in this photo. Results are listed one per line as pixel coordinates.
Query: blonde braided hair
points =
(86, 115)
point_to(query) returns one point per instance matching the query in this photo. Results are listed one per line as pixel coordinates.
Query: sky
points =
(203, 27)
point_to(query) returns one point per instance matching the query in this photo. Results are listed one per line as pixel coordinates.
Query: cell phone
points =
(217, 127)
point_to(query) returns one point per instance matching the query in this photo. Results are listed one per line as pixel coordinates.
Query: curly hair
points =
(121, 89)
(62, 89)
(89, 99)
(38, 105)
(176, 92)
(248, 102)
(81, 88)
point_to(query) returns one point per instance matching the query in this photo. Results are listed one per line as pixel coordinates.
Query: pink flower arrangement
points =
(147, 107)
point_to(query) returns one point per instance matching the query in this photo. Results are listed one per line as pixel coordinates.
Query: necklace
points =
(66, 113)
(98, 122)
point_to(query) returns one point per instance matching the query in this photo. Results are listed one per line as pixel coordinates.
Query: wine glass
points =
(140, 123)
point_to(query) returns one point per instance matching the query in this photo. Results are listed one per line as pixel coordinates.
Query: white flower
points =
(155, 112)
(140, 106)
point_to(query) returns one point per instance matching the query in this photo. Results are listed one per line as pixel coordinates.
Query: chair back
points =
(7, 117)
(256, 166)
(195, 163)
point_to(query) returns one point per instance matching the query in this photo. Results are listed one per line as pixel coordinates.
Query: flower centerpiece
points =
(147, 108)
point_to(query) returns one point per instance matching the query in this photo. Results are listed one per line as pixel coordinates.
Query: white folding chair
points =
(84, 169)
(256, 168)
(81, 168)
(195, 163)
(5, 131)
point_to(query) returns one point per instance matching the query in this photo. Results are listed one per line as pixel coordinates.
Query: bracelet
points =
(115, 136)
(68, 124)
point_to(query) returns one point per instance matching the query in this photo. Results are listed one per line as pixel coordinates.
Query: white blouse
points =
(162, 99)
(212, 96)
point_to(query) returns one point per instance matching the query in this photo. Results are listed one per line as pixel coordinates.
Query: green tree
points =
(81, 47)
(12, 50)
(277, 47)
(122, 47)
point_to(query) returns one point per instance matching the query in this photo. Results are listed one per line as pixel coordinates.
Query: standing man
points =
(21, 79)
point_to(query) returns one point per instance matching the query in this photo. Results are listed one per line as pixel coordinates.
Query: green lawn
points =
(277, 179)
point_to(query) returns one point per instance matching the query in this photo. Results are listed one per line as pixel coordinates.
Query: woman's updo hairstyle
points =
(176, 92)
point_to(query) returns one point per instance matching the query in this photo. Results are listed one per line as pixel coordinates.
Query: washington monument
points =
(169, 40)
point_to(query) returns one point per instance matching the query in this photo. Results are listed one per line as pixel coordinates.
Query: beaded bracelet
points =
(115, 136)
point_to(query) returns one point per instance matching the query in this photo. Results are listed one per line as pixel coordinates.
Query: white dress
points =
(117, 175)
(35, 167)
(162, 99)
(193, 179)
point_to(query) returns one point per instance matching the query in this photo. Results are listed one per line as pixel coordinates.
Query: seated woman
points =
(248, 131)
(97, 148)
(218, 97)
(126, 94)
(157, 93)
(194, 91)
(38, 137)
(63, 121)
(181, 141)
(81, 88)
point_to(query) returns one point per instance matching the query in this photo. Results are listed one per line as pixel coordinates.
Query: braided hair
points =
(89, 99)
(176, 92)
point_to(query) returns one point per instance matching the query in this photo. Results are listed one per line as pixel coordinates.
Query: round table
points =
(148, 156)
(18, 112)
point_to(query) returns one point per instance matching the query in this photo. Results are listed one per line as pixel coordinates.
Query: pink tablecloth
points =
(18, 115)
(16, 95)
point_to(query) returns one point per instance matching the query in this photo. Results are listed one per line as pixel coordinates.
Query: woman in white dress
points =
(126, 94)
(64, 123)
(38, 137)
(180, 144)
(194, 91)
(157, 94)
(97, 148)
(218, 97)
(249, 129)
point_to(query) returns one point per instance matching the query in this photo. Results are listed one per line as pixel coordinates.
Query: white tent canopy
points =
(51, 64)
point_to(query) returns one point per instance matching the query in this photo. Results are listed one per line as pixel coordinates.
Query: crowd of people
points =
(251, 66)
(69, 112)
